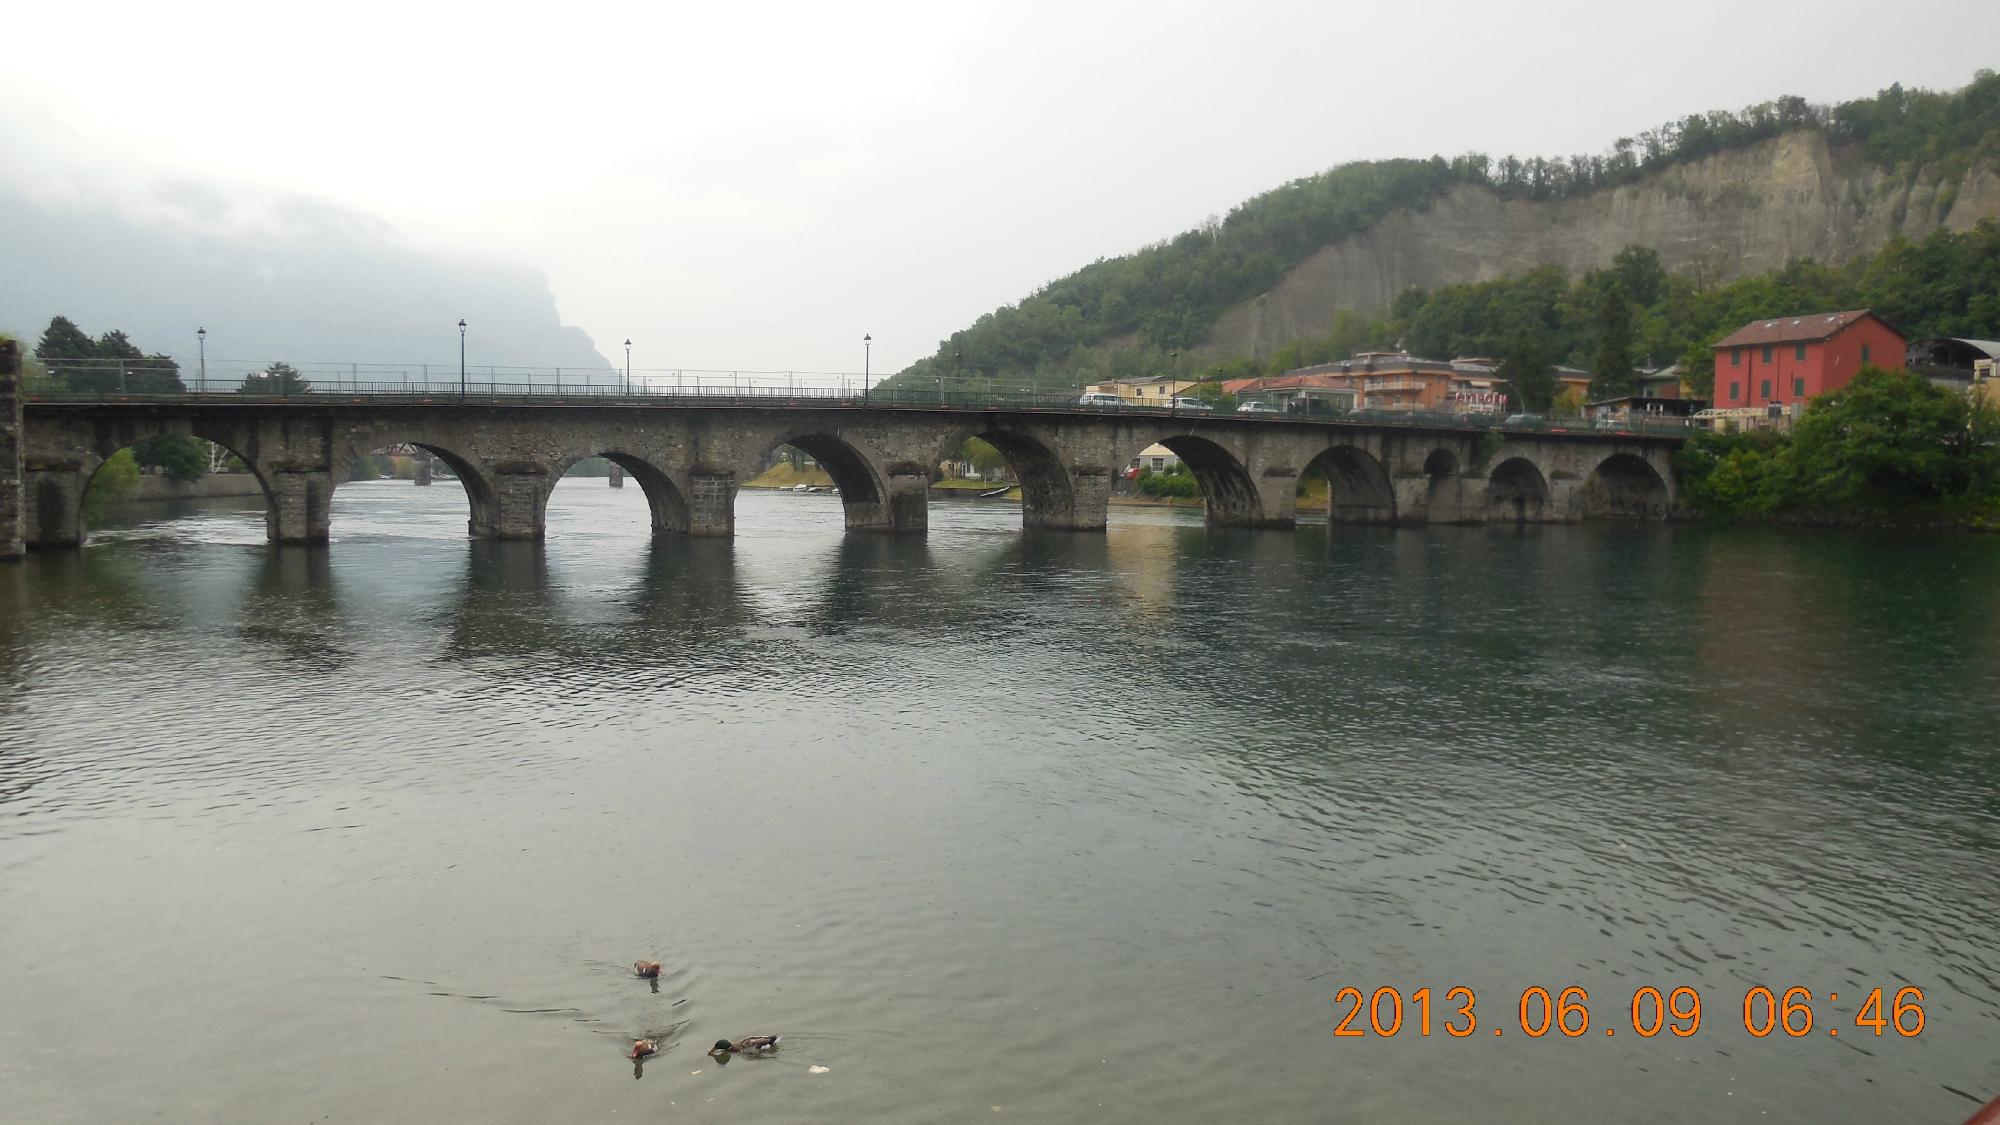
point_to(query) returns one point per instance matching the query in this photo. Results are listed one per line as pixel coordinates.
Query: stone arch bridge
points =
(691, 458)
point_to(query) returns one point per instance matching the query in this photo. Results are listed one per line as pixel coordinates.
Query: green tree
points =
(985, 459)
(277, 379)
(1611, 369)
(109, 364)
(113, 481)
(1888, 436)
(1527, 368)
(62, 339)
(179, 456)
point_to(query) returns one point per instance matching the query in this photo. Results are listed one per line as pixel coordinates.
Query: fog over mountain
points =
(271, 275)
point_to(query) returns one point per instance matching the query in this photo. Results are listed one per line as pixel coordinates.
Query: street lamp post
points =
(201, 341)
(461, 359)
(867, 347)
(628, 367)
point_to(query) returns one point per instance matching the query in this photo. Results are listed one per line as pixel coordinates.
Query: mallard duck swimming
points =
(643, 1047)
(646, 968)
(749, 1045)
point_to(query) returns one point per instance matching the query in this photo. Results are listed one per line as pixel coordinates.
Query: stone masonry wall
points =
(10, 449)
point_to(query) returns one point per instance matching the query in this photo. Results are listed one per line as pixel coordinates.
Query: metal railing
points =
(763, 390)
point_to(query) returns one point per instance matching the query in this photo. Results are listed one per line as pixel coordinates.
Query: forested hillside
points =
(1151, 310)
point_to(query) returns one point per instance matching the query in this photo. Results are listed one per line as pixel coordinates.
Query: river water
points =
(989, 825)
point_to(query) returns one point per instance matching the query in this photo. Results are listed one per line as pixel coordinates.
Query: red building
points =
(1790, 359)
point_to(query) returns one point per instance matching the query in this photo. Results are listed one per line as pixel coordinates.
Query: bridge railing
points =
(718, 390)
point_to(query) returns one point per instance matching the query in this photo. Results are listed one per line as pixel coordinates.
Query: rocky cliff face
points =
(1732, 214)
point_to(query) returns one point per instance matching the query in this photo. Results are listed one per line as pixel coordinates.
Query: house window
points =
(1736, 357)
(1799, 387)
(1799, 352)
(1735, 391)
(1764, 388)
(1767, 353)
(1864, 353)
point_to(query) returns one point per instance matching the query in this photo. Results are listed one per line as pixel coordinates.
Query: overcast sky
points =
(757, 185)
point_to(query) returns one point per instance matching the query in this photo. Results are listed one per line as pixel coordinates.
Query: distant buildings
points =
(1786, 360)
(1986, 382)
(1385, 381)
(1158, 390)
(1953, 362)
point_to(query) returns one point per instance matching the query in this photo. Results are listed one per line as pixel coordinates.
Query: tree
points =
(62, 339)
(1612, 375)
(1526, 367)
(112, 481)
(985, 459)
(109, 364)
(177, 455)
(277, 379)
(1888, 436)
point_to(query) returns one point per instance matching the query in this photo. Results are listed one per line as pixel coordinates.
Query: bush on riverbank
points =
(1890, 442)
(1173, 483)
(112, 481)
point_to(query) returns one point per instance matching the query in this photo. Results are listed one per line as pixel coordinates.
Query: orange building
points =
(1383, 380)
(1787, 360)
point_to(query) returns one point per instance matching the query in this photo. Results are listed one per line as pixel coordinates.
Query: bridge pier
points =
(711, 504)
(520, 503)
(423, 473)
(52, 502)
(902, 508)
(11, 542)
(299, 503)
(1277, 504)
(1084, 506)
(1416, 498)
(617, 475)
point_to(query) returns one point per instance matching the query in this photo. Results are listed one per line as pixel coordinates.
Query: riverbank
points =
(782, 475)
(150, 489)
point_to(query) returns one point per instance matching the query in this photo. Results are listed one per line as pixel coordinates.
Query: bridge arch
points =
(1358, 485)
(481, 492)
(876, 493)
(1517, 491)
(666, 501)
(55, 497)
(1229, 494)
(1626, 486)
(1048, 496)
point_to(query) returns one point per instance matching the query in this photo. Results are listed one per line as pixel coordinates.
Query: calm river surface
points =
(992, 825)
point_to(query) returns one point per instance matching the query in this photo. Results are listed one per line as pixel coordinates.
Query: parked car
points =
(1257, 408)
(1183, 403)
(1098, 398)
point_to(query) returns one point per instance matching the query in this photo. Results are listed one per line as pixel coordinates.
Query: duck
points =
(748, 1045)
(650, 969)
(644, 1047)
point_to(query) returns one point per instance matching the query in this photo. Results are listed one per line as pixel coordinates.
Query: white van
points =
(1099, 398)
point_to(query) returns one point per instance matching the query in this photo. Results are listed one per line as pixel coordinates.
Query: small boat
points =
(1001, 491)
(801, 488)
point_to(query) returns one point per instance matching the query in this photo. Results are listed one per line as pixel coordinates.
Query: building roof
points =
(1283, 383)
(1991, 348)
(1792, 329)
